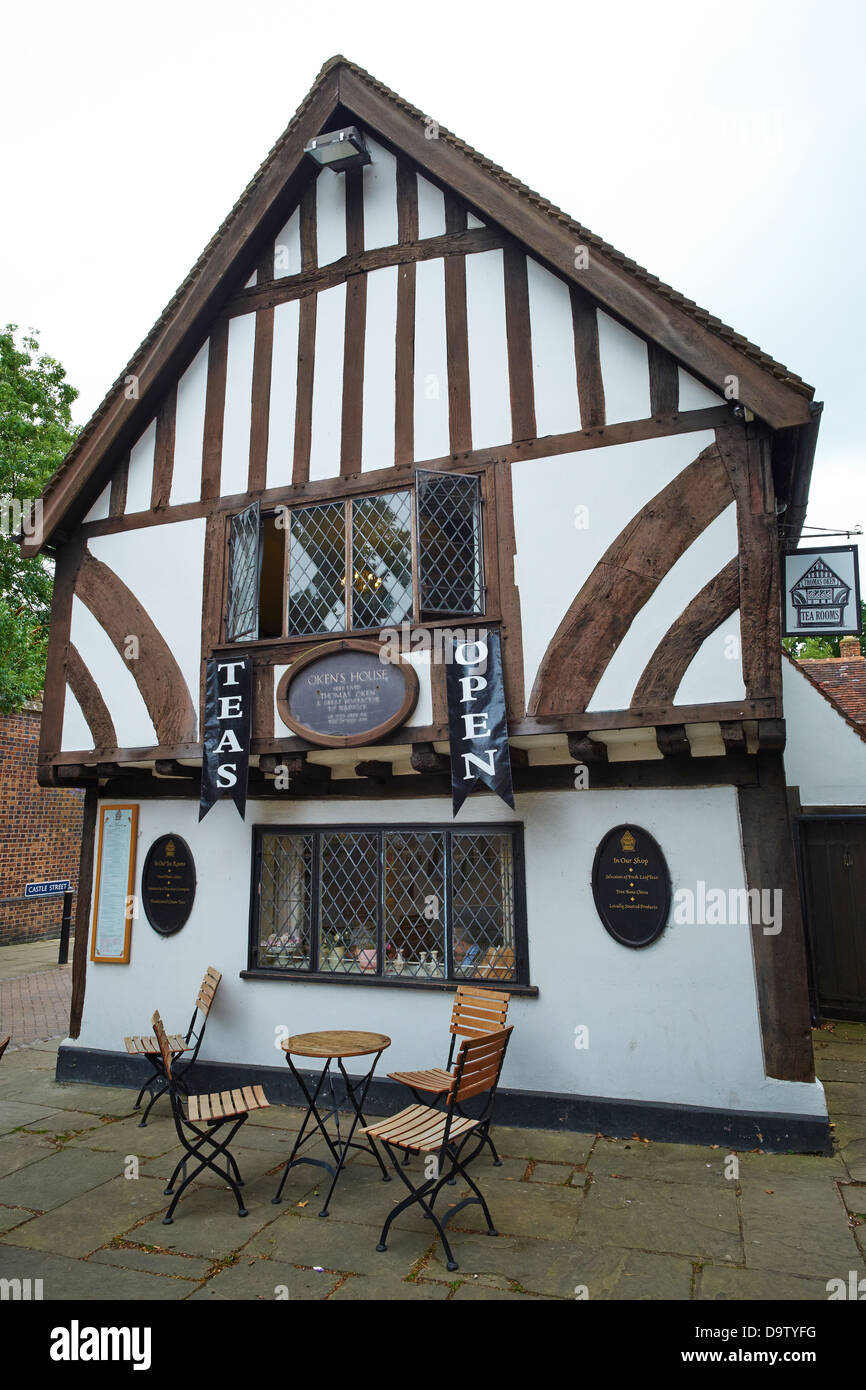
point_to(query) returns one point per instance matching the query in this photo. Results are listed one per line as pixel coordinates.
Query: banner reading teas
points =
(228, 708)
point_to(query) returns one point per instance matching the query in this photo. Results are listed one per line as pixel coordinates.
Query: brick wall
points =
(40, 831)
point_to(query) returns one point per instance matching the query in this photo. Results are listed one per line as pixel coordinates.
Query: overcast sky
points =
(720, 145)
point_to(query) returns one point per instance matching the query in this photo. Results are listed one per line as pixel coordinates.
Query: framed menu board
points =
(114, 885)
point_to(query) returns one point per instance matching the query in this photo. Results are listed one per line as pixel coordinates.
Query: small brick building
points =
(40, 830)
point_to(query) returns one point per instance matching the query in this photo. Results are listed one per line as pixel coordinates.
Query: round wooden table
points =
(330, 1045)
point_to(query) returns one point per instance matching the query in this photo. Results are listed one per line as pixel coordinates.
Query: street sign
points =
(47, 887)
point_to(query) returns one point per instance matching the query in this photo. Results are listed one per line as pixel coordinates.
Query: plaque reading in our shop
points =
(631, 886)
(168, 884)
(114, 885)
(340, 694)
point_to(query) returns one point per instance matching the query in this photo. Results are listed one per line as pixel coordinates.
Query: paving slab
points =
(127, 1137)
(667, 1218)
(341, 1245)
(373, 1288)
(65, 1124)
(153, 1262)
(70, 1095)
(10, 1217)
(206, 1221)
(68, 1279)
(846, 1097)
(16, 1114)
(767, 1168)
(795, 1229)
(758, 1285)
(554, 1174)
(93, 1219)
(682, 1163)
(523, 1209)
(18, 1150)
(57, 1178)
(271, 1280)
(468, 1292)
(560, 1146)
(853, 1156)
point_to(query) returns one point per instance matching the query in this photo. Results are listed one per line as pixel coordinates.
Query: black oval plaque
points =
(340, 694)
(168, 884)
(631, 886)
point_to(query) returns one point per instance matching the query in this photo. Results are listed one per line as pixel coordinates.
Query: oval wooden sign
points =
(340, 695)
(168, 884)
(631, 886)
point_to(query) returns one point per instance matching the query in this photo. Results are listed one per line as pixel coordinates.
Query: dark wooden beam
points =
(672, 741)
(733, 735)
(424, 758)
(586, 750)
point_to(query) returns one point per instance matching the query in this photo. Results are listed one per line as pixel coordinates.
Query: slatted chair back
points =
(164, 1048)
(4, 1043)
(476, 1012)
(203, 1003)
(479, 1064)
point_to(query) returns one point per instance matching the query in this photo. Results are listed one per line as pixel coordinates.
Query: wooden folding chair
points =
(421, 1129)
(476, 1012)
(216, 1110)
(144, 1046)
(4, 1043)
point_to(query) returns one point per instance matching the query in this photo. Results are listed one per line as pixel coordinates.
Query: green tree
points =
(36, 431)
(814, 648)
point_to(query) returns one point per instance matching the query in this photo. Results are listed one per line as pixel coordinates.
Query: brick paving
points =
(35, 1007)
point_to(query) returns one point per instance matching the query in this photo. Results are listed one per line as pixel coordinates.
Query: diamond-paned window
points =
(358, 565)
(449, 544)
(317, 569)
(382, 560)
(391, 902)
(285, 900)
(245, 562)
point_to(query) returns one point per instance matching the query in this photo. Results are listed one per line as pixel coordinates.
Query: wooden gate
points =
(833, 878)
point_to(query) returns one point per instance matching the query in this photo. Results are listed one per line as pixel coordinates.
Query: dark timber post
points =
(65, 924)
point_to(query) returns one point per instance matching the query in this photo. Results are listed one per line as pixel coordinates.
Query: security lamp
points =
(339, 150)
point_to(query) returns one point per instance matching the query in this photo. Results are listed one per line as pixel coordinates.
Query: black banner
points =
(228, 707)
(477, 724)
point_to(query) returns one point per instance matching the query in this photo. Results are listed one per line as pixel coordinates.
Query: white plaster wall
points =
(431, 362)
(431, 209)
(189, 430)
(377, 438)
(553, 558)
(132, 723)
(163, 567)
(238, 409)
(716, 667)
(380, 197)
(99, 510)
(284, 383)
(694, 395)
(675, 1022)
(139, 481)
(330, 216)
(287, 248)
(328, 379)
(76, 733)
(557, 409)
(708, 553)
(489, 391)
(824, 756)
(624, 371)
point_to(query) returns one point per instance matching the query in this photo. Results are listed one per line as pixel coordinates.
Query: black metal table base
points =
(341, 1147)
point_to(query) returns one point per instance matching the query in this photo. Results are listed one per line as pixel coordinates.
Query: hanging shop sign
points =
(168, 884)
(341, 694)
(821, 592)
(477, 722)
(631, 886)
(228, 708)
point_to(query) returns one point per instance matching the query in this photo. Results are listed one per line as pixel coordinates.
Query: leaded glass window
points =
(409, 902)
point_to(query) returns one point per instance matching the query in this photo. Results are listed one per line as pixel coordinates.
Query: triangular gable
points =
(268, 211)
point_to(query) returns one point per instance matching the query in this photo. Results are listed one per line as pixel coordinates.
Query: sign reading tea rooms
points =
(821, 592)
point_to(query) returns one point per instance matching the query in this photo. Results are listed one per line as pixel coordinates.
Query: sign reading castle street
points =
(168, 884)
(821, 592)
(342, 694)
(631, 886)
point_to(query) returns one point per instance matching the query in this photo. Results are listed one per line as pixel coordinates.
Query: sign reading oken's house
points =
(341, 694)
(821, 592)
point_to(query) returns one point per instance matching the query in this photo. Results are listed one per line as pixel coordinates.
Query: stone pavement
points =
(578, 1214)
(34, 993)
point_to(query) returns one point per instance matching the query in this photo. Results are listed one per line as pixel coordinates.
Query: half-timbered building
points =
(409, 395)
